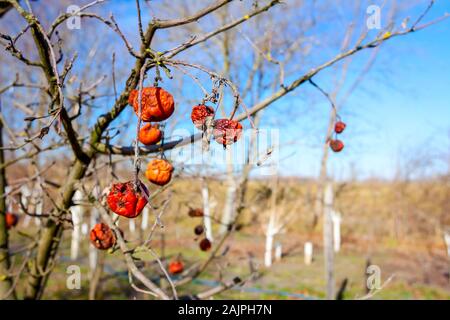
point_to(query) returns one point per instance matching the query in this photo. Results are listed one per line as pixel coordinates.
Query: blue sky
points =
(401, 111)
(411, 111)
(398, 113)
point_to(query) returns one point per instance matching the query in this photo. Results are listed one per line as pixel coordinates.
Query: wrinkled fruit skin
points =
(199, 115)
(125, 201)
(176, 267)
(198, 230)
(150, 134)
(339, 127)
(11, 220)
(336, 145)
(102, 237)
(157, 104)
(205, 245)
(226, 131)
(159, 172)
(195, 213)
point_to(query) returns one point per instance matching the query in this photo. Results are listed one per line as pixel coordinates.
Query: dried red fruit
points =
(205, 244)
(227, 131)
(157, 104)
(150, 134)
(159, 172)
(125, 201)
(195, 212)
(176, 267)
(199, 115)
(339, 127)
(199, 230)
(102, 237)
(336, 145)
(11, 220)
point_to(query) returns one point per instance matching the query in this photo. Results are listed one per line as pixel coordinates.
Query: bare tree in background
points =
(69, 114)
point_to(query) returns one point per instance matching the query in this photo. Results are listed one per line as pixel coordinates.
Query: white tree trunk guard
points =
(207, 213)
(308, 252)
(145, 215)
(336, 218)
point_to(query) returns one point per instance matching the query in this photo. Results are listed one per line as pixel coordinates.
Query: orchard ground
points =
(381, 229)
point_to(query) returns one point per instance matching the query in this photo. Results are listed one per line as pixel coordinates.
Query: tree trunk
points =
(144, 221)
(206, 211)
(366, 275)
(39, 207)
(271, 229)
(328, 240)
(6, 290)
(336, 217)
(50, 238)
(447, 242)
(278, 252)
(230, 200)
(96, 276)
(77, 218)
(132, 227)
(308, 253)
(269, 249)
(318, 206)
(51, 234)
(36, 195)
(25, 195)
(93, 252)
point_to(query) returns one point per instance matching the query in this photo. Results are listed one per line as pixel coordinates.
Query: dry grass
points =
(398, 225)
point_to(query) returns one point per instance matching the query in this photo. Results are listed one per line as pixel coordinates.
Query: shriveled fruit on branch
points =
(124, 200)
(205, 244)
(102, 237)
(200, 114)
(176, 267)
(150, 134)
(159, 172)
(157, 104)
(195, 212)
(339, 127)
(336, 145)
(199, 229)
(227, 131)
(11, 220)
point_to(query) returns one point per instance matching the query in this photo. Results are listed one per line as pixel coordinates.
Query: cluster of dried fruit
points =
(128, 199)
(154, 104)
(225, 131)
(335, 144)
(204, 244)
